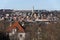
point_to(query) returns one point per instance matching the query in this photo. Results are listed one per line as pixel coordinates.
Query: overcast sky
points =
(28, 4)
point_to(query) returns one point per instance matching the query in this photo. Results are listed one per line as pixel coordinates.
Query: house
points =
(16, 31)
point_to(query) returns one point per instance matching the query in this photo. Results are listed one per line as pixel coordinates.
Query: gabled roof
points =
(15, 25)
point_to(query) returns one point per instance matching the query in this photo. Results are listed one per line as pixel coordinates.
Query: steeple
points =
(32, 9)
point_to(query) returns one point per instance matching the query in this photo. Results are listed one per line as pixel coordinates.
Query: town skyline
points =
(28, 4)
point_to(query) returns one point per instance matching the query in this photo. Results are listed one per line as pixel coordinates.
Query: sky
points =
(28, 4)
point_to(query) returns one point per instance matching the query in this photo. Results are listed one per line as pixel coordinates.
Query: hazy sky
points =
(28, 4)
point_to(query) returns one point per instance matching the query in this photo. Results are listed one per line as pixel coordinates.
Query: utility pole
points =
(4, 20)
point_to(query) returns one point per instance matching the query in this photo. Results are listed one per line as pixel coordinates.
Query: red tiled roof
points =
(15, 25)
